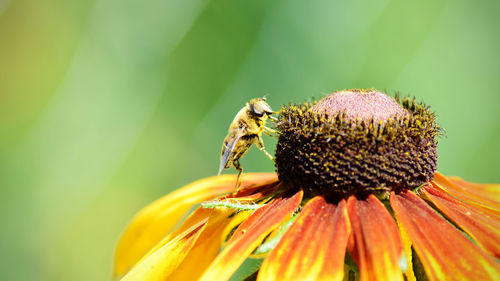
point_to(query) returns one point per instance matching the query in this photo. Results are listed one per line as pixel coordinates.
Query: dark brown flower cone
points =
(357, 142)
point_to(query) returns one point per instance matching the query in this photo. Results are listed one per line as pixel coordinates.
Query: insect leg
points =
(270, 132)
(238, 167)
(260, 145)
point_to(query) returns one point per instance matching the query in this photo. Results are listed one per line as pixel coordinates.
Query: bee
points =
(245, 130)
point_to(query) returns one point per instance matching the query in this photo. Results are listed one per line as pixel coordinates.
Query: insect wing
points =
(228, 149)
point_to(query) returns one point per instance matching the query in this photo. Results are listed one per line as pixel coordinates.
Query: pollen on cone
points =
(361, 104)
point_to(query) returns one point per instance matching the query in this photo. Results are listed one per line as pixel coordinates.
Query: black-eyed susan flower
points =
(356, 196)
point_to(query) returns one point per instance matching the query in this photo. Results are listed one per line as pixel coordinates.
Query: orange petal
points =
(377, 243)
(250, 234)
(490, 191)
(486, 196)
(314, 246)
(207, 246)
(155, 221)
(162, 262)
(445, 253)
(481, 226)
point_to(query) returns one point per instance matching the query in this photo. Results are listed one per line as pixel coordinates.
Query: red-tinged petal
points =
(377, 242)
(155, 221)
(159, 264)
(252, 194)
(207, 246)
(445, 253)
(481, 226)
(250, 234)
(486, 196)
(313, 248)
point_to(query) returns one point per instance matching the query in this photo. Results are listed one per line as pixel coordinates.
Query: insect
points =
(245, 130)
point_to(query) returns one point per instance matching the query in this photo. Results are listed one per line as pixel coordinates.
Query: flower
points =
(356, 196)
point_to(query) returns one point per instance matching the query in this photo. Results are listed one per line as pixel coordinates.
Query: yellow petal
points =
(155, 221)
(164, 260)
(409, 273)
(195, 218)
(208, 245)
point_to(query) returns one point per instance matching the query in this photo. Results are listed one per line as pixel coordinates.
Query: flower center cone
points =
(357, 142)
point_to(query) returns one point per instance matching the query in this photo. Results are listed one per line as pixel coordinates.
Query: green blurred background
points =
(106, 105)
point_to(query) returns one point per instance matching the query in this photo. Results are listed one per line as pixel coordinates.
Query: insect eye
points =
(255, 111)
